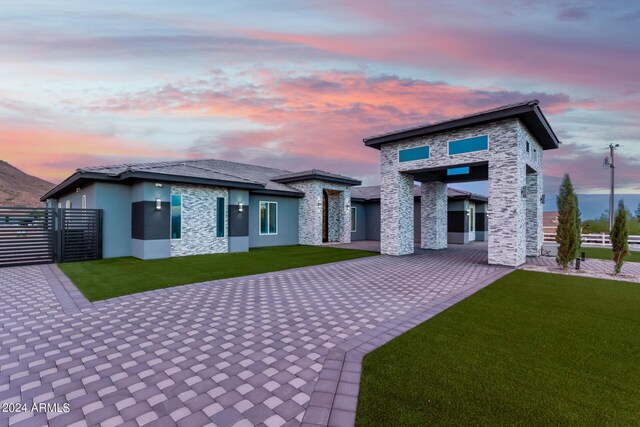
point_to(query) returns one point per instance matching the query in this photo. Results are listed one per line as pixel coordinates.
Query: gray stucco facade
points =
(287, 222)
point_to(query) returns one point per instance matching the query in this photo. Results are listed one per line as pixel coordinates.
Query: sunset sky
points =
(298, 84)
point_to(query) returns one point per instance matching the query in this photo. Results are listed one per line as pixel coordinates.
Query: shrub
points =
(619, 237)
(568, 231)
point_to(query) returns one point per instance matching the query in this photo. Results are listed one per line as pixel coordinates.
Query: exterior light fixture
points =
(78, 190)
(158, 184)
(319, 204)
(468, 212)
(240, 207)
(523, 192)
(158, 204)
(542, 199)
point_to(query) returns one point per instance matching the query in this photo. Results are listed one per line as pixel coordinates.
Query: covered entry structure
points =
(504, 145)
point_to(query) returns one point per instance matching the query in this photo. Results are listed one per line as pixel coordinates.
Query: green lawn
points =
(530, 349)
(605, 253)
(114, 277)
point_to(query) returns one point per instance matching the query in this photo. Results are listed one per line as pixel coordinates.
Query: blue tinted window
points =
(469, 145)
(410, 154)
(220, 217)
(458, 171)
(176, 216)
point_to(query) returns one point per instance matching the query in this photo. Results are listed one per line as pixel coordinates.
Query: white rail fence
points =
(599, 239)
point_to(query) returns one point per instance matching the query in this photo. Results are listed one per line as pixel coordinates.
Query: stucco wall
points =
(361, 221)
(287, 221)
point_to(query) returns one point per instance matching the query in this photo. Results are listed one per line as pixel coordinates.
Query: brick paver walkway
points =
(259, 350)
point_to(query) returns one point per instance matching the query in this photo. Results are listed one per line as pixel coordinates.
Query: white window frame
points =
(267, 213)
(354, 217)
(171, 213)
(84, 201)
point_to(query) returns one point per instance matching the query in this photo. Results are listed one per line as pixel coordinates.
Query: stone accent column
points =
(345, 223)
(396, 212)
(507, 207)
(534, 214)
(434, 215)
(335, 206)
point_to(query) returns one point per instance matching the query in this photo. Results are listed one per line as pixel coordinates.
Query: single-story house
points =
(190, 207)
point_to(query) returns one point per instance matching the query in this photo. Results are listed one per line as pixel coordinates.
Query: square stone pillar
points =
(433, 207)
(507, 210)
(396, 213)
(535, 236)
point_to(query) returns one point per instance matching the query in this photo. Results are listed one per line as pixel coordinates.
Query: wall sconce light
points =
(319, 204)
(542, 199)
(78, 190)
(158, 204)
(240, 207)
(468, 212)
(523, 192)
(158, 184)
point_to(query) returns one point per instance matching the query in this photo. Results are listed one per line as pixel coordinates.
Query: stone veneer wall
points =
(434, 205)
(199, 219)
(507, 159)
(335, 215)
(535, 189)
(310, 224)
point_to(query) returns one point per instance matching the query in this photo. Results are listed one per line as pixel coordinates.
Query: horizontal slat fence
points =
(80, 235)
(27, 236)
(39, 235)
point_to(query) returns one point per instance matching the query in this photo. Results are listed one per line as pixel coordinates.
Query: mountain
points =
(594, 205)
(18, 189)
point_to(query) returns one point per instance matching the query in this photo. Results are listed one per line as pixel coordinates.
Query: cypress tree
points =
(568, 231)
(619, 237)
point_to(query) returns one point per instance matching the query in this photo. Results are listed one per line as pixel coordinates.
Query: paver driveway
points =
(244, 351)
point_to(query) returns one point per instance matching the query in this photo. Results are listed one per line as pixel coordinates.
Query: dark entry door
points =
(325, 216)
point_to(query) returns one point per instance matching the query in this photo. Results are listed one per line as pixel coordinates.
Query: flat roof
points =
(528, 112)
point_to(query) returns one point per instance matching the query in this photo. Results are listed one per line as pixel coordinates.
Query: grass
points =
(115, 277)
(606, 253)
(530, 349)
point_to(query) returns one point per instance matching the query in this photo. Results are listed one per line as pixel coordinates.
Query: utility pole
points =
(610, 162)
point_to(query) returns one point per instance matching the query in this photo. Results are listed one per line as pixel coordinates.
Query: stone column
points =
(345, 203)
(534, 214)
(396, 212)
(433, 206)
(507, 208)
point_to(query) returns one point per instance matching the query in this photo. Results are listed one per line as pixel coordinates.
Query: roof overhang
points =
(81, 178)
(317, 176)
(529, 114)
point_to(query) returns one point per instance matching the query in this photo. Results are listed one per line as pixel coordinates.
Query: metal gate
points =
(26, 236)
(79, 235)
(38, 235)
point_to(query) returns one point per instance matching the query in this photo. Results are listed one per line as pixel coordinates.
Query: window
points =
(458, 171)
(353, 220)
(268, 218)
(67, 204)
(84, 201)
(176, 216)
(220, 217)
(411, 154)
(469, 145)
